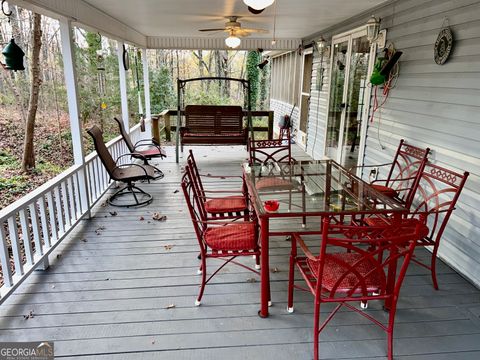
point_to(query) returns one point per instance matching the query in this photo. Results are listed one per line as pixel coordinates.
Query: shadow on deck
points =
(123, 285)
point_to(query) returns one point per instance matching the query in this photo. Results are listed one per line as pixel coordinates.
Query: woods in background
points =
(35, 139)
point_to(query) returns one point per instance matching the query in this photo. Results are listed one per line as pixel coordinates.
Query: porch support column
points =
(123, 86)
(146, 89)
(73, 109)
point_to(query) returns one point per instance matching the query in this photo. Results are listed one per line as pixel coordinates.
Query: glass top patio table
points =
(314, 187)
(307, 189)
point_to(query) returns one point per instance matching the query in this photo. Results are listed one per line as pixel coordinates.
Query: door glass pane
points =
(357, 82)
(307, 82)
(336, 98)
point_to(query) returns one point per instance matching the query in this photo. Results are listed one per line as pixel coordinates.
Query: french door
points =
(351, 62)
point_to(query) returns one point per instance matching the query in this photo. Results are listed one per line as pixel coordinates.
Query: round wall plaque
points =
(443, 46)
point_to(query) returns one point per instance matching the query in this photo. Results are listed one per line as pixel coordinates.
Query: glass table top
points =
(314, 187)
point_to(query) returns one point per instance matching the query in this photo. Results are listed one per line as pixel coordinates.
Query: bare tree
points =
(28, 161)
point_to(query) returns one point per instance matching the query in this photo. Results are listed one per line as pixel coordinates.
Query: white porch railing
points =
(34, 225)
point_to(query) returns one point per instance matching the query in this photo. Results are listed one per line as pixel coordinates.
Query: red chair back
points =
(267, 151)
(195, 206)
(408, 163)
(437, 193)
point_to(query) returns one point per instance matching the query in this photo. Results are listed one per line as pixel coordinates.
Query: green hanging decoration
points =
(12, 52)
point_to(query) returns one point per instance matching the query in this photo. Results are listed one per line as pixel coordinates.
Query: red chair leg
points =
(291, 279)
(316, 333)
(433, 267)
(204, 280)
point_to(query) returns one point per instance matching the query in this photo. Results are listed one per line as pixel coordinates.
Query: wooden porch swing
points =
(212, 124)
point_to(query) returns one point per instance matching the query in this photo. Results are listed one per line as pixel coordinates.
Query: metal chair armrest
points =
(131, 154)
(298, 240)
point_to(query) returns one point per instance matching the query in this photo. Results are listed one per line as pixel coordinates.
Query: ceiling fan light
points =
(258, 4)
(232, 41)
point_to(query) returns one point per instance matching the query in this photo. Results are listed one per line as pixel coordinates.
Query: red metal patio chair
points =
(404, 173)
(355, 263)
(224, 239)
(268, 153)
(437, 193)
(215, 202)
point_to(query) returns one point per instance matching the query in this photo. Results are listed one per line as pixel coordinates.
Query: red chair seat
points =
(241, 236)
(226, 205)
(153, 151)
(274, 183)
(385, 190)
(336, 265)
(405, 223)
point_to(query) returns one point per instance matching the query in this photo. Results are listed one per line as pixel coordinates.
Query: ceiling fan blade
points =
(252, 30)
(219, 29)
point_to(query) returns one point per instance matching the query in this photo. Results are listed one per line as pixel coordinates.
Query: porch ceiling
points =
(174, 19)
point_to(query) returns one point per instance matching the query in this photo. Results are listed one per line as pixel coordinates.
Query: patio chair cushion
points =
(226, 205)
(385, 190)
(405, 223)
(274, 183)
(336, 265)
(240, 236)
(152, 152)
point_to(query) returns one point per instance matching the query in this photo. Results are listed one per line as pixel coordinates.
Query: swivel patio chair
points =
(224, 239)
(404, 173)
(142, 149)
(354, 264)
(215, 202)
(126, 173)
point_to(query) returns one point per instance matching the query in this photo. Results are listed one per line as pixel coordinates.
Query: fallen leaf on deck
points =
(53, 286)
(58, 256)
(141, 218)
(222, 177)
(251, 280)
(29, 315)
(99, 230)
(84, 240)
(159, 217)
(171, 306)
(107, 279)
(176, 191)
(153, 342)
(274, 270)
(113, 213)
(104, 204)
(168, 247)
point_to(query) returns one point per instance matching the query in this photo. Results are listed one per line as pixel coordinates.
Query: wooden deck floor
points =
(123, 287)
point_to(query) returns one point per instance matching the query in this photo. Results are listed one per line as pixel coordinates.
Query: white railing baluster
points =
(65, 204)
(36, 229)
(71, 200)
(27, 242)
(15, 243)
(5, 259)
(43, 219)
(51, 213)
(58, 208)
(48, 214)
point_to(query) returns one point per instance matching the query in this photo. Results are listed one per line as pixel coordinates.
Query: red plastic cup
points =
(271, 205)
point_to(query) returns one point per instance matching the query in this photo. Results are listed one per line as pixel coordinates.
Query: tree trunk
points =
(28, 161)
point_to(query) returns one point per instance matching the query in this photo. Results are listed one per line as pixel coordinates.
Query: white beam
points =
(73, 106)
(85, 15)
(146, 89)
(123, 85)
